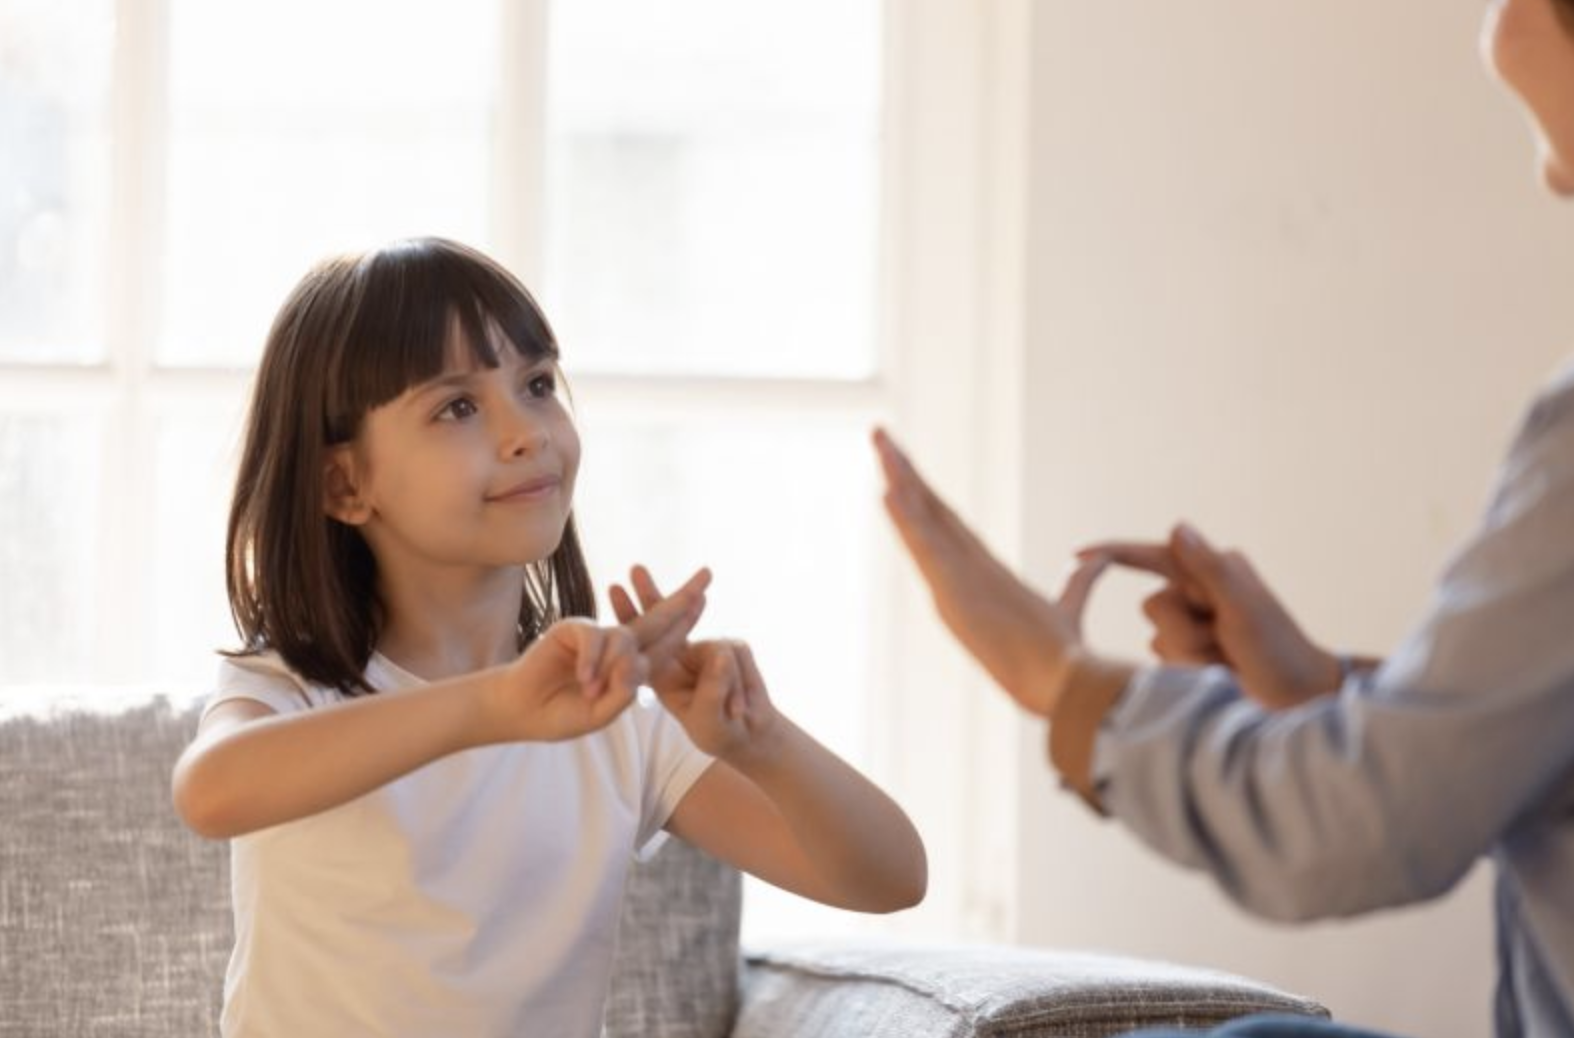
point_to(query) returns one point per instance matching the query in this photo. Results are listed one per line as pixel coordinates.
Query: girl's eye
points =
(543, 385)
(458, 408)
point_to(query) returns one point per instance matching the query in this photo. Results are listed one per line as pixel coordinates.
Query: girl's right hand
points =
(578, 676)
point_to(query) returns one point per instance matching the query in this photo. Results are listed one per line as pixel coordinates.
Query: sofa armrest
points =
(966, 990)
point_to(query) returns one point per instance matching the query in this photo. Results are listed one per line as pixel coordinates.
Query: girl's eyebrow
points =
(457, 379)
(460, 379)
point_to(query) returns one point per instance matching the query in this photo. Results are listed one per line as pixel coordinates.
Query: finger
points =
(1242, 577)
(645, 586)
(727, 691)
(669, 644)
(753, 690)
(1181, 633)
(1170, 606)
(893, 463)
(716, 671)
(650, 594)
(622, 688)
(952, 560)
(1078, 586)
(622, 604)
(682, 608)
(907, 492)
(592, 645)
(673, 618)
(627, 667)
(1203, 575)
(938, 542)
(1147, 556)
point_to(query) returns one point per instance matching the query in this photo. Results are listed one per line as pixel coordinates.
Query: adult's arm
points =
(1386, 793)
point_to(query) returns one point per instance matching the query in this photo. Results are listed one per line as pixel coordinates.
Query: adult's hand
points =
(1214, 608)
(1028, 643)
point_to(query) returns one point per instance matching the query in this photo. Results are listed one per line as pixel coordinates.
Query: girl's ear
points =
(340, 499)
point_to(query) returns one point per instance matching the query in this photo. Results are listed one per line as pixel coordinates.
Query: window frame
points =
(951, 256)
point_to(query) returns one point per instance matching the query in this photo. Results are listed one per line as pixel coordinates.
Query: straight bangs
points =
(414, 295)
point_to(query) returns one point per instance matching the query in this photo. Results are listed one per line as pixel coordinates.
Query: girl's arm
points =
(777, 804)
(797, 816)
(250, 768)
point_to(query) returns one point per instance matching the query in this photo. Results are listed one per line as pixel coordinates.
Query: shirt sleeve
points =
(672, 764)
(265, 679)
(1389, 791)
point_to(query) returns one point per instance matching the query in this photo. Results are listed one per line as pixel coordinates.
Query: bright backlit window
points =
(700, 192)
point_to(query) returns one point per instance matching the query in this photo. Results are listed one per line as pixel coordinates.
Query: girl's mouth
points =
(534, 489)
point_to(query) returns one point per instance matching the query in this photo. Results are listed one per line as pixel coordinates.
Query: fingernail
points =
(1188, 535)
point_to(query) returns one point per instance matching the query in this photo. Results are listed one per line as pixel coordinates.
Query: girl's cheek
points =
(569, 447)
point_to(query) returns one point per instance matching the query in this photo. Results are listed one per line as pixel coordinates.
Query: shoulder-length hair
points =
(354, 334)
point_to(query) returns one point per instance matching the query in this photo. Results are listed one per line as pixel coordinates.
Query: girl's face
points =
(1530, 45)
(473, 468)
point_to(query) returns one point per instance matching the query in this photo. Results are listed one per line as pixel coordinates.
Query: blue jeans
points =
(1269, 1026)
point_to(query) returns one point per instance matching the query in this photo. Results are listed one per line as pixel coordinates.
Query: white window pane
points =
(54, 179)
(300, 129)
(784, 511)
(50, 472)
(712, 198)
(193, 474)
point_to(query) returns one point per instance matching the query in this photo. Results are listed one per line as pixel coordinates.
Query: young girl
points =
(431, 761)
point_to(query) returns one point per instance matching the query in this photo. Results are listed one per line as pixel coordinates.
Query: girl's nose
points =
(523, 434)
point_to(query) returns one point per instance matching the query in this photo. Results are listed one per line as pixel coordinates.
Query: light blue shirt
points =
(1461, 746)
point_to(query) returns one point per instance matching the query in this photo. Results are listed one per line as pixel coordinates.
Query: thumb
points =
(721, 674)
(1081, 576)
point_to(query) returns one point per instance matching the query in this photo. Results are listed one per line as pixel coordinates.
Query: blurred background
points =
(1278, 268)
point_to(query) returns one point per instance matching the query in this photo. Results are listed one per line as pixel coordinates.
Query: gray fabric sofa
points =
(114, 920)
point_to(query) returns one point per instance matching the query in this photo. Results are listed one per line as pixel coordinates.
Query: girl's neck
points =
(442, 626)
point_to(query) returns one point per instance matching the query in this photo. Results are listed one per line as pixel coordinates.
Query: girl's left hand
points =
(713, 688)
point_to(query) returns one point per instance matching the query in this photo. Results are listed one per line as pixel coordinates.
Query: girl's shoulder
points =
(264, 677)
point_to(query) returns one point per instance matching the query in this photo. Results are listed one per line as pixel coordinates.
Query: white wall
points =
(1289, 276)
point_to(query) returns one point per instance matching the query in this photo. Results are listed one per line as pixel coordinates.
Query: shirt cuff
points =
(1092, 690)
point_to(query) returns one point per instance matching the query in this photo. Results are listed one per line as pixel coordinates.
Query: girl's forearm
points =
(279, 769)
(861, 842)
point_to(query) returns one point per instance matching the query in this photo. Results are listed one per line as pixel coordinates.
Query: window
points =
(757, 231)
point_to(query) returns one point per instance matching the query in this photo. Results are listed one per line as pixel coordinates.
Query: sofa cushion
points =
(113, 919)
(677, 965)
(958, 991)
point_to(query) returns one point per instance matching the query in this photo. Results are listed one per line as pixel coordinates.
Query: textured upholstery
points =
(114, 920)
(676, 972)
(958, 991)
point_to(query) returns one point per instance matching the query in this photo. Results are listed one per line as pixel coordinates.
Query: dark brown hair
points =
(354, 334)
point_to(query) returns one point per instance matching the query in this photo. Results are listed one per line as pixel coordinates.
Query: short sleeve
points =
(265, 679)
(672, 764)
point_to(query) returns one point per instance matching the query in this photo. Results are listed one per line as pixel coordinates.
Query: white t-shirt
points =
(478, 895)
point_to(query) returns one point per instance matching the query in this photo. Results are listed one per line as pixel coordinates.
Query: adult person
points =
(1302, 805)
